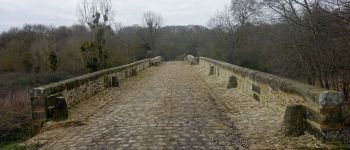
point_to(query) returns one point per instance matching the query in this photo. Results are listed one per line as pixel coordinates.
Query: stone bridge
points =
(198, 103)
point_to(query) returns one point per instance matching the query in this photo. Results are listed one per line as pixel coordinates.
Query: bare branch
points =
(87, 9)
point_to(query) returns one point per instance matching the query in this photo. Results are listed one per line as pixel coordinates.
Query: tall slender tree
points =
(153, 22)
(98, 15)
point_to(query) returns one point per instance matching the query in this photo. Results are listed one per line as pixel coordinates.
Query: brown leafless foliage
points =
(245, 10)
(153, 22)
(321, 34)
(223, 21)
(86, 9)
(15, 113)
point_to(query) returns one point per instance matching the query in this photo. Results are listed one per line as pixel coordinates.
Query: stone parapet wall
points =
(322, 107)
(76, 90)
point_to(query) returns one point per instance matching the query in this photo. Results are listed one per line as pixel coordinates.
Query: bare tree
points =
(245, 10)
(98, 15)
(153, 22)
(224, 28)
(300, 14)
(321, 29)
(88, 9)
(340, 10)
(223, 21)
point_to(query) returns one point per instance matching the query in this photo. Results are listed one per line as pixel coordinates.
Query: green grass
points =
(18, 146)
(12, 146)
(13, 142)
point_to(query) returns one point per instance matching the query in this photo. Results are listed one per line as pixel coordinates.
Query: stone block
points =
(333, 119)
(256, 97)
(211, 70)
(60, 111)
(232, 82)
(37, 92)
(330, 99)
(194, 61)
(133, 72)
(126, 73)
(50, 100)
(324, 133)
(50, 111)
(39, 115)
(38, 103)
(107, 82)
(346, 115)
(115, 82)
(332, 136)
(256, 88)
(294, 120)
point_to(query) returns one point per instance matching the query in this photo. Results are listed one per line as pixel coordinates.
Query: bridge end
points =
(331, 105)
(39, 110)
(192, 60)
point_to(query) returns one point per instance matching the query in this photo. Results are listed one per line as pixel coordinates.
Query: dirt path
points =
(165, 107)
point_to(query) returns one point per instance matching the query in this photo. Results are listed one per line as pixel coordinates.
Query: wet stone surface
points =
(164, 107)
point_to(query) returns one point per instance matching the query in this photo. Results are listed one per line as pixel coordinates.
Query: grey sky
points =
(128, 12)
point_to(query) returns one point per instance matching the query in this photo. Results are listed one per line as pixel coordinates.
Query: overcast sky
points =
(128, 12)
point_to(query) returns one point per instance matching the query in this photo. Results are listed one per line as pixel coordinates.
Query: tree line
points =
(306, 40)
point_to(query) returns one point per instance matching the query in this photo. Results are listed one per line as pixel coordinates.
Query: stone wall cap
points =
(37, 92)
(48, 89)
(331, 99)
(319, 96)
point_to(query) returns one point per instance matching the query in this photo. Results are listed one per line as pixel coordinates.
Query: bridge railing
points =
(52, 101)
(322, 109)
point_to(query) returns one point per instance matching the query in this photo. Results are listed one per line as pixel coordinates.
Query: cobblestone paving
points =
(165, 107)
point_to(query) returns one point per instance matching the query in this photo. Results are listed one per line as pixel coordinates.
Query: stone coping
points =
(70, 83)
(321, 97)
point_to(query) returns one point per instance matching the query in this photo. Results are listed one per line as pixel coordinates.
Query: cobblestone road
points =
(165, 107)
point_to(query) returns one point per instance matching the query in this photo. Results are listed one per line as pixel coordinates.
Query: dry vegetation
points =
(15, 115)
(15, 107)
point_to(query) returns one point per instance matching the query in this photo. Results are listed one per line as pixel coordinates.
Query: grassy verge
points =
(12, 146)
(14, 138)
(18, 146)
